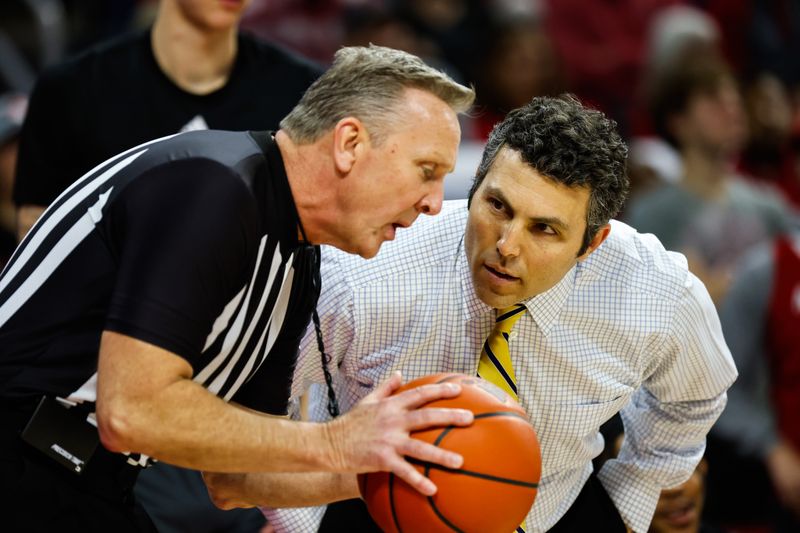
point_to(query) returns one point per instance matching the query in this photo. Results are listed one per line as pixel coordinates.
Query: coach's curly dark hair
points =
(570, 144)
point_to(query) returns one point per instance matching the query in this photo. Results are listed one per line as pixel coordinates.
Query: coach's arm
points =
(229, 491)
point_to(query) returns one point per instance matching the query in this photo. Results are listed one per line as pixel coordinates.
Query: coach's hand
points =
(375, 434)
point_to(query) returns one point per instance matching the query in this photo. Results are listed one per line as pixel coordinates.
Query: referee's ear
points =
(350, 139)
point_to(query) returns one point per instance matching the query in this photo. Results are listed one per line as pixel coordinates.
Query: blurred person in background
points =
(516, 63)
(603, 45)
(757, 438)
(760, 36)
(382, 25)
(454, 29)
(192, 69)
(771, 154)
(314, 28)
(671, 30)
(12, 113)
(711, 214)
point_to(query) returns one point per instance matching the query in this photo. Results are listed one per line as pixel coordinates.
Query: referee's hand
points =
(375, 434)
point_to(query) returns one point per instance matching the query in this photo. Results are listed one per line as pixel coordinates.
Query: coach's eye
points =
(544, 228)
(495, 203)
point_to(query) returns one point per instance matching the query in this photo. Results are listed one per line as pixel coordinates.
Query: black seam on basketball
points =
(391, 503)
(442, 517)
(427, 466)
(488, 477)
(436, 509)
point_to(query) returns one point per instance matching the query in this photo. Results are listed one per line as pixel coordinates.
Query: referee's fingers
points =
(429, 453)
(405, 471)
(437, 416)
(385, 389)
(419, 396)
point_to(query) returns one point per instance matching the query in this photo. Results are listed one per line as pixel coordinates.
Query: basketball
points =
(494, 488)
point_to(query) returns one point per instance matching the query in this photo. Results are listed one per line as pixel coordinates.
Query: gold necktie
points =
(495, 364)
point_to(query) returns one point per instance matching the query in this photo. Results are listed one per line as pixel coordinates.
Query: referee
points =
(157, 304)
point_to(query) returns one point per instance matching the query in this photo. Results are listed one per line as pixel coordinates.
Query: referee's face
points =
(403, 176)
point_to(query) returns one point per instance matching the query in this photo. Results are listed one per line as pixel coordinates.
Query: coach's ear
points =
(350, 138)
(596, 241)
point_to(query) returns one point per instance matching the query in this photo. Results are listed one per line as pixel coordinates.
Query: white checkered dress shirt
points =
(628, 329)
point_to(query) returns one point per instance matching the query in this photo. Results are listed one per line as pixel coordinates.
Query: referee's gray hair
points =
(367, 83)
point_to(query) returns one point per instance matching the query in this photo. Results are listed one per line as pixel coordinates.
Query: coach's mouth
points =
(498, 272)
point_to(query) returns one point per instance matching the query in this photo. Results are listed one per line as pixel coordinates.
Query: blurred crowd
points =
(707, 93)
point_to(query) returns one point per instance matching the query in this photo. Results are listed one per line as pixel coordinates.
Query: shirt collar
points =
(472, 305)
(544, 308)
(278, 208)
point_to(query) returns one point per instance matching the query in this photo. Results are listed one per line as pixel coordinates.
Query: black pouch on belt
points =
(63, 433)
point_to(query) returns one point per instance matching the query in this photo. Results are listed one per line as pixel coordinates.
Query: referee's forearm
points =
(232, 440)
(147, 403)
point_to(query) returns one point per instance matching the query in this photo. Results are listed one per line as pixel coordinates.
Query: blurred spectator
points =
(760, 35)
(711, 215)
(759, 430)
(671, 31)
(12, 112)
(192, 71)
(603, 46)
(32, 36)
(314, 28)
(382, 26)
(379, 25)
(452, 28)
(770, 154)
(516, 63)
(675, 27)
(90, 22)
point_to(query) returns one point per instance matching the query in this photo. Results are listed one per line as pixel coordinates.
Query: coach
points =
(533, 286)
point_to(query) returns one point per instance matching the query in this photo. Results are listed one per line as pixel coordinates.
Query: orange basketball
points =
(494, 488)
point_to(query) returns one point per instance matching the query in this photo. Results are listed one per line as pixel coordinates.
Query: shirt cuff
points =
(634, 496)
(291, 520)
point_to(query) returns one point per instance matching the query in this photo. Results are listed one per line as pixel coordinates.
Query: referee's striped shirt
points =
(187, 242)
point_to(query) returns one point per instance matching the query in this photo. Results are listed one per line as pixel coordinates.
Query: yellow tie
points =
(495, 364)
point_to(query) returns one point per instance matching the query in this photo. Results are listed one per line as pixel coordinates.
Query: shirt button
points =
(512, 335)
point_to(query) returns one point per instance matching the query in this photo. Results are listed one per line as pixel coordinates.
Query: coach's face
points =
(524, 231)
(392, 182)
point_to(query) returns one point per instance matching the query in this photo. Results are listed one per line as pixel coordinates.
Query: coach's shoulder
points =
(640, 262)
